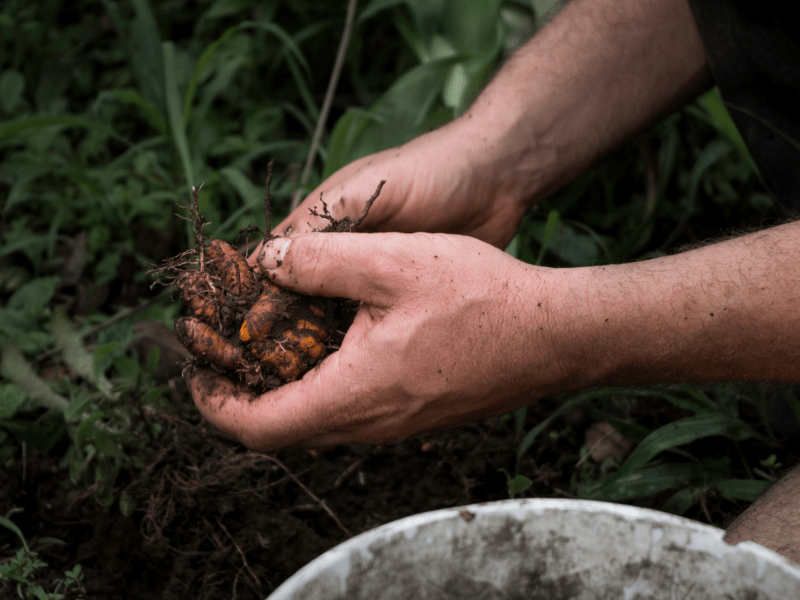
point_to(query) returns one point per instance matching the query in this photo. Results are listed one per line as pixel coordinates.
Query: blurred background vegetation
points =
(111, 110)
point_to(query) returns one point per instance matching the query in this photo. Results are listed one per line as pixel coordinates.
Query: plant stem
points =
(326, 103)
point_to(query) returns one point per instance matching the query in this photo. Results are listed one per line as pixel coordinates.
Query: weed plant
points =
(112, 110)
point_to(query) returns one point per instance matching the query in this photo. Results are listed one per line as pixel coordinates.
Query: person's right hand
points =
(441, 182)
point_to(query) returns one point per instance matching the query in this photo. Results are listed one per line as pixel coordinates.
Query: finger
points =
(374, 268)
(320, 410)
(212, 392)
(345, 194)
(267, 422)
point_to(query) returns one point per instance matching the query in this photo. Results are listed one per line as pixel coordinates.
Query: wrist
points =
(724, 312)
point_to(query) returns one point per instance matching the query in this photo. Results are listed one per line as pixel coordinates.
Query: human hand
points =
(434, 183)
(450, 330)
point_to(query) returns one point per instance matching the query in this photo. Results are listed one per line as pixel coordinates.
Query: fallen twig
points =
(347, 472)
(310, 493)
(239, 550)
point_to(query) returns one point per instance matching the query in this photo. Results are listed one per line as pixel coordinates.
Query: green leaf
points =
(152, 359)
(10, 129)
(722, 121)
(127, 504)
(302, 87)
(632, 431)
(471, 25)
(643, 482)
(698, 402)
(549, 230)
(12, 397)
(347, 130)
(516, 485)
(76, 408)
(519, 484)
(544, 9)
(682, 500)
(224, 8)
(394, 119)
(12, 84)
(146, 58)
(152, 395)
(86, 430)
(716, 150)
(174, 112)
(742, 489)
(105, 444)
(127, 367)
(16, 369)
(284, 37)
(667, 437)
(249, 193)
(34, 295)
(200, 68)
(527, 442)
(684, 431)
(73, 352)
(151, 112)
(9, 524)
(104, 354)
(50, 540)
(44, 432)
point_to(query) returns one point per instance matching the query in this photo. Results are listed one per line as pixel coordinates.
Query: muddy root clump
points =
(245, 326)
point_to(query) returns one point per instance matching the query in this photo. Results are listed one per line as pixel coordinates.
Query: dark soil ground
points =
(214, 520)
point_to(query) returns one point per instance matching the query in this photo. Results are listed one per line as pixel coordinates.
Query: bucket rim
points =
(521, 508)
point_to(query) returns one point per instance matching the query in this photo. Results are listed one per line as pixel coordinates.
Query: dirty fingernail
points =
(272, 253)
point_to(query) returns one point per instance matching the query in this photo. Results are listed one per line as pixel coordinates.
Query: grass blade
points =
(9, 524)
(199, 69)
(12, 128)
(147, 63)
(682, 500)
(721, 119)
(549, 229)
(174, 110)
(684, 431)
(742, 489)
(302, 88)
(668, 437)
(643, 482)
(288, 42)
(150, 111)
(527, 442)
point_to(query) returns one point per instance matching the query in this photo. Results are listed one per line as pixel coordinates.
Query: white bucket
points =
(548, 549)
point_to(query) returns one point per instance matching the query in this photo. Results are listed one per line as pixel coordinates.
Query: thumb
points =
(360, 266)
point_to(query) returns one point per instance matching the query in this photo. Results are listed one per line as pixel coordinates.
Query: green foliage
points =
(19, 572)
(110, 112)
(456, 45)
(516, 484)
(674, 456)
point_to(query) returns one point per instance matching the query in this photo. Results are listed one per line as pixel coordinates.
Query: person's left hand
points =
(450, 330)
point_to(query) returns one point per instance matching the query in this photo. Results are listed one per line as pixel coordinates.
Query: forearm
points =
(725, 312)
(596, 74)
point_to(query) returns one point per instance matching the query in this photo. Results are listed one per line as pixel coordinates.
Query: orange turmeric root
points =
(230, 266)
(202, 340)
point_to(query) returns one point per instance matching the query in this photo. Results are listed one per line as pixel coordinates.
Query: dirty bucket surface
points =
(548, 549)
